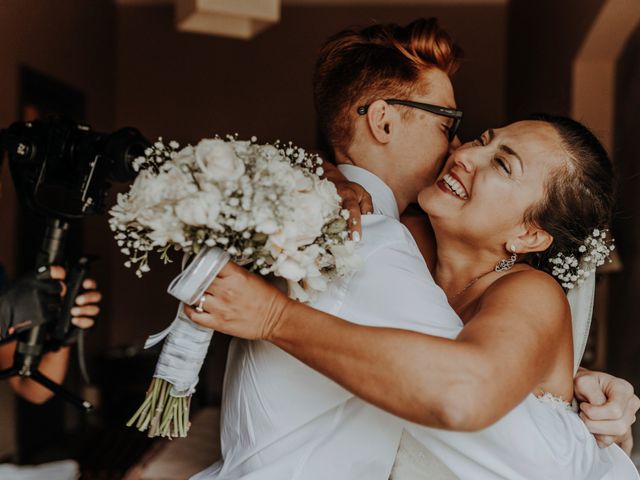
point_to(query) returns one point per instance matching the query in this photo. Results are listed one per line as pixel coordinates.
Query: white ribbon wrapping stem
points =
(187, 343)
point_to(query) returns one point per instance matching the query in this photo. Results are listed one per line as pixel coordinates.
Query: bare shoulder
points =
(530, 293)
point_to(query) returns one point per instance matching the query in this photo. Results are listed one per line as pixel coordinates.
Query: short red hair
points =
(356, 67)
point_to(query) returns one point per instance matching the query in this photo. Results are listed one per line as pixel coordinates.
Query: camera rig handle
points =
(30, 346)
(64, 329)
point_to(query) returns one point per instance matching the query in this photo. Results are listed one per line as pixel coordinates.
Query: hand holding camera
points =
(33, 300)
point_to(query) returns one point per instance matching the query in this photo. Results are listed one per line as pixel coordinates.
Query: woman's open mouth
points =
(452, 185)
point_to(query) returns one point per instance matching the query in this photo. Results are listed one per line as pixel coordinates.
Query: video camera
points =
(63, 171)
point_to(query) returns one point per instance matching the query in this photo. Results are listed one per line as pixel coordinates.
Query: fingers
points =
(354, 220)
(620, 403)
(366, 203)
(616, 428)
(86, 311)
(89, 297)
(627, 444)
(604, 441)
(588, 389)
(89, 284)
(204, 319)
(57, 272)
(357, 201)
(608, 411)
(82, 322)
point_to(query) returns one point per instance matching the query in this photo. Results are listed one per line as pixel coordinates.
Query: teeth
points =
(455, 186)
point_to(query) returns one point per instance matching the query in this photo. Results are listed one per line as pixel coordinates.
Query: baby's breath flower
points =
(239, 196)
(595, 252)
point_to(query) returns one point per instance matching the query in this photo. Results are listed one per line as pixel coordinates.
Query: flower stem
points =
(162, 414)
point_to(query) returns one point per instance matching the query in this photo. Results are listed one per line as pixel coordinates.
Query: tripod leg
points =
(60, 390)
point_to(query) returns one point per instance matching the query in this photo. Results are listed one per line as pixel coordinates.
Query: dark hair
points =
(356, 67)
(579, 195)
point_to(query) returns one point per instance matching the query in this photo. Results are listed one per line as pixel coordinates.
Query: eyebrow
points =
(506, 149)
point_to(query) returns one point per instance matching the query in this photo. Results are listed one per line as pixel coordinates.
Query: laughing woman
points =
(496, 401)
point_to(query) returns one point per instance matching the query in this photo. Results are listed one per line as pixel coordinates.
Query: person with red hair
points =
(489, 351)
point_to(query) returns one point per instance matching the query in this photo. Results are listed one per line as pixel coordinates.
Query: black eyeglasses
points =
(456, 115)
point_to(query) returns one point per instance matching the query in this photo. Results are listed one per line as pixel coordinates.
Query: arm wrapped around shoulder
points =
(518, 339)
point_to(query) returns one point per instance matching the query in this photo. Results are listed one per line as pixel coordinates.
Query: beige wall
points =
(544, 37)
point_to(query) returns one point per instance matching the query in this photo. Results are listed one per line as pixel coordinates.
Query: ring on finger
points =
(200, 307)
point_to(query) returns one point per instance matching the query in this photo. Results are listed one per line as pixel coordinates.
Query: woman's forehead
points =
(535, 141)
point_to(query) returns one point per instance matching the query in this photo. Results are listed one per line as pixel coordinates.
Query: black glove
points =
(31, 301)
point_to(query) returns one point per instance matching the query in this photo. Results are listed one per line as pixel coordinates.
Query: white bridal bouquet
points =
(263, 206)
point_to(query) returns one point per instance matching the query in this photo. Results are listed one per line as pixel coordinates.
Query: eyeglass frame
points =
(456, 115)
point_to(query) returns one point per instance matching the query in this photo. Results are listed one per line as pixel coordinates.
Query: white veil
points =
(581, 301)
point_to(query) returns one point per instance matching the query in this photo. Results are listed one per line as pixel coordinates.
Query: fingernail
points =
(354, 221)
(80, 300)
(75, 311)
(355, 236)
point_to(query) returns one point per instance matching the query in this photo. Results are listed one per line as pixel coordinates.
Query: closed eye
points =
(503, 165)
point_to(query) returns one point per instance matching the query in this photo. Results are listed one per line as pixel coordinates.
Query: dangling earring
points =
(506, 264)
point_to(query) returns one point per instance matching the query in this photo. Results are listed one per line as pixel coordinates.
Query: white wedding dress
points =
(541, 439)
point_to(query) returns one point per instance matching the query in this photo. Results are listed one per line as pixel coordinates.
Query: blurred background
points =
(173, 71)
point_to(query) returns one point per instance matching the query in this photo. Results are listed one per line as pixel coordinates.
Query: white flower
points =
(218, 161)
(347, 260)
(267, 225)
(247, 198)
(288, 268)
(200, 209)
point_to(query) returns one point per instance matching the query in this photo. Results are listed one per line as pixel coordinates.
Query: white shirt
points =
(283, 420)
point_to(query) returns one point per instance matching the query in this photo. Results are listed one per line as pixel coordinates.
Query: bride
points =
(518, 216)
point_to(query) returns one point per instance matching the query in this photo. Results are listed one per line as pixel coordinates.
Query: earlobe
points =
(534, 240)
(379, 119)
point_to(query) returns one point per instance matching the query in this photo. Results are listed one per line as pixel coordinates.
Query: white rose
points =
(165, 227)
(288, 268)
(346, 258)
(184, 156)
(200, 209)
(328, 194)
(174, 184)
(312, 210)
(308, 218)
(297, 292)
(218, 160)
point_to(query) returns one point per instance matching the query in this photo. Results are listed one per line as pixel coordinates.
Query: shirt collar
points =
(384, 201)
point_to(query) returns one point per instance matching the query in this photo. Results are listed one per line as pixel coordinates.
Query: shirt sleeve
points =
(393, 288)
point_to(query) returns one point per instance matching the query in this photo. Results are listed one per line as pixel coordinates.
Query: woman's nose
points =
(463, 157)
